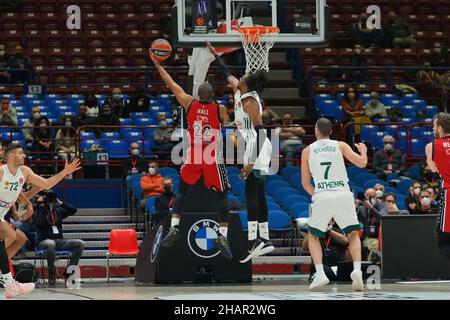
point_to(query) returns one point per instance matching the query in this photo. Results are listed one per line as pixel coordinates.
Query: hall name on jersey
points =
(324, 149)
(203, 112)
(331, 185)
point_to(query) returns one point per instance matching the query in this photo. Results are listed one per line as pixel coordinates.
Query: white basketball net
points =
(257, 42)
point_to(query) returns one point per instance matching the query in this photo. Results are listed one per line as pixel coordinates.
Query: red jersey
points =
(204, 123)
(441, 156)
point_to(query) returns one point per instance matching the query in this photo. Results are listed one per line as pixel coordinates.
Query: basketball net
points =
(257, 42)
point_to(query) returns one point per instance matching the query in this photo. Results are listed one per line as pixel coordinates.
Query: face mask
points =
(425, 201)
(437, 50)
(151, 171)
(135, 152)
(379, 193)
(388, 147)
(417, 191)
(2, 53)
(351, 95)
(117, 96)
(358, 51)
(373, 201)
(36, 115)
(43, 125)
(68, 123)
(374, 102)
(163, 123)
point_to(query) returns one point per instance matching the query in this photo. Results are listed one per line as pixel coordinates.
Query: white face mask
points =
(36, 115)
(2, 53)
(135, 152)
(152, 171)
(379, 193)
(425, 201)
(351, 95)
(373, 201)
(417, 191)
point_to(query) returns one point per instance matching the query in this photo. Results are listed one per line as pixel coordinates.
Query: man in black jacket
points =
(388, 160)
(49, 215)
(134, 164)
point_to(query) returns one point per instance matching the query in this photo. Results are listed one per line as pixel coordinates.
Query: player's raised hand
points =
(72, 167)
(156, 62)
(362, 148)
(211, 48)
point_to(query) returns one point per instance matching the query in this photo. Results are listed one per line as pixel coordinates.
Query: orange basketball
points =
(161, 48)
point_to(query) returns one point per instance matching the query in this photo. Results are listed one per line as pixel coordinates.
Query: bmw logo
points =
(156, 243)
(201, 238)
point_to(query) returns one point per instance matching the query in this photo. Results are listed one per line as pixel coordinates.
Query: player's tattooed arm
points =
(429, 153)
(232, 80)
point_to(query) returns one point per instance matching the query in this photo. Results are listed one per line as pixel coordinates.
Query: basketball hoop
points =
(257, 41)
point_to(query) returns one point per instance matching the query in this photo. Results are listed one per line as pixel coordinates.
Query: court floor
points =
(270, 288)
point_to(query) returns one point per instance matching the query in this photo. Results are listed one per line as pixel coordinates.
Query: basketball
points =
(161, 48)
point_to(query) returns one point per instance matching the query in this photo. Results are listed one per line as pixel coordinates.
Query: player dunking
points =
(13, 175)
(331, 198)
(204, 125)
(438, 159)
(258, 151)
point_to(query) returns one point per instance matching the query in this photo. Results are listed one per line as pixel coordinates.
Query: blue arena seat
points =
(300, 210)
(352, 171)
(273, 206)
(233, 178)
(144, 122)
(293, 199)
(368, 132)
(243, 216)
(361, 178)
(168, 170)
(238, 187)
(116, 148)
(132, 135)
(87, 135)
(400, 201)
(126, 122)
(86, 144)
(296, 181)
(274, 177)
(417, 147)
(234, 170)
(289, 171)
(431, 111)
(110, 135)
(282, 193)
(279, 221)
(404, 185)
(273, 186)
(415, 171)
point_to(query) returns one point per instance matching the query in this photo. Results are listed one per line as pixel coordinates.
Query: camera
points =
(361, 196)
(49, 197)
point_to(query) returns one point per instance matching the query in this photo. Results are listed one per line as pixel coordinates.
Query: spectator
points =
(28, 126)
(374, 109)
(273, 115)
(334, 249)
(370, 210)
(166, 27)
(65, 140)
(369, 38)
(358, 59)
(20, 61)
(4, 74)
(290, 137)
(42, 146)
(118, 103)
(267, 121)
(230, 108)
(390, 202)
(139, 102)
(388, 160)
(379, 189)
(50, 213)
(164, 202)
(135, 163)
(163, 135)
(152, 183)
(107, 118)
(433, 196)
(398, 32)
(8, 116)
(427, 76)
(91, 106)
(425, 205)
(82, 118)
(439, 57)
(412, 201)
(352, 106)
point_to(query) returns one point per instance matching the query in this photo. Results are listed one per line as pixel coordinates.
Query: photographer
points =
(49, 215)
(370, 209)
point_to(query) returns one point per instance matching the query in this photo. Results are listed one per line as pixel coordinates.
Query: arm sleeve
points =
(261, 136)
(223, 66)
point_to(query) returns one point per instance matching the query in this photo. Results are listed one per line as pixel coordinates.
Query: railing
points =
(389, 79)
(145, 76)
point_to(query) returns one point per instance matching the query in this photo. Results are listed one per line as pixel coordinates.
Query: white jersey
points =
(248, 132)
(10, 188)
(327, 166)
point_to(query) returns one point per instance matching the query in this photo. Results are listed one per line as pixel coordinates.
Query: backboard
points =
(302, 23)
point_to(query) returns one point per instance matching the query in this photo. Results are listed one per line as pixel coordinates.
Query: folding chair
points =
(122, 242)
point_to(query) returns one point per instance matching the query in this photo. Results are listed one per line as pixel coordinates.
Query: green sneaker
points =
(172, 236)
(222, 244)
